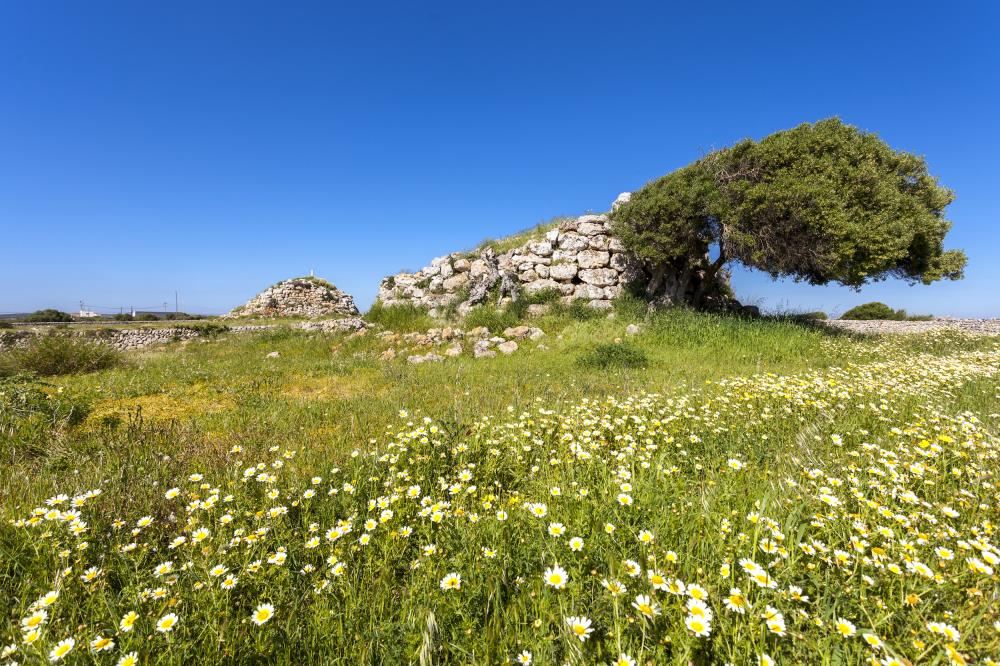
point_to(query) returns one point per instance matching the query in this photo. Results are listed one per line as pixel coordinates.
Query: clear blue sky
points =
(217, 147)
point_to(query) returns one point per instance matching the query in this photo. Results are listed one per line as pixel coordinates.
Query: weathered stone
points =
(588, 292)
(478, 267)
(599, 242)
(540, 285)
(523, 332)
(632, 329)
(592, 259)
(590, 229)
(461, 265)
(621, 200)
(273, 354)
(388, 355)
(456, 281)
(601, 277)
(478, 332)
(601, 304)
(564, 256)
(573, 241)
(454, 350)
(447, 270)
(528, 276)
(542, 270)
(538, 309)
(508, 347)
(541, 248)
(563, 271)
(426, 358)
(618, 261)
(615, 244)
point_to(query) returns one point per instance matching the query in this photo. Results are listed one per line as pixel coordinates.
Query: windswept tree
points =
(823, 202)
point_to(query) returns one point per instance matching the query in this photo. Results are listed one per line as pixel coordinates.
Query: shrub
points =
(405, 317)
(122, 317)
(6, 324)
(147, 316)
(48, 315)
(608, 356)
(209, 329)
(874, 310)
(578, 310)
(58, 355)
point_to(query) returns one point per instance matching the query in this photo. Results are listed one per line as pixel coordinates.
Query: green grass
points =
(768, 393)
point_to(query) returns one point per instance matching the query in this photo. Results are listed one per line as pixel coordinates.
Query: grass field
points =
(759, 490)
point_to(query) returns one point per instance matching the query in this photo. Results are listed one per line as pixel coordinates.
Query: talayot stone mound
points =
(576, 258)
(298, 297)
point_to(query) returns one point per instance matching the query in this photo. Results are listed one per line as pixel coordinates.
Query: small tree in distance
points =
(823, 202)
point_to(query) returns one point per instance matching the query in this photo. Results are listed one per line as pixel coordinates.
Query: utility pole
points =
(176, 309)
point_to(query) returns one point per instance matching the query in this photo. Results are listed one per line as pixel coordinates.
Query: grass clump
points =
(402, 318)
(494, 318)
(616, 356)
(48, 315)
(56, 354)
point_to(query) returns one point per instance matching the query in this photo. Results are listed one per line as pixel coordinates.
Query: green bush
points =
(609, 356)
(208, 329)
(874, 310)
(147, 316)
(6, 324)
(403, 318)
(47, 315)
(58, 355)
(122, 317)
(577, 310)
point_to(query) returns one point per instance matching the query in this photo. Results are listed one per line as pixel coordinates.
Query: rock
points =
(454, 350)
(574, 242)
(538, 309)
(588, 292)
(543, 271)
(482, 350)
(273, 354)
(540, 285)
(593, 259)
(563, 272)
(601, 277)
(618, 261)
(541, 248)
(461, 265)
(479, 332)
(528, 276)
(523, 332)
(621, 200)
(601, 304)
(508, 347)
(388, 355)
(590, 228)
(426, 358)
(456, 281)
(599, 242)
(632, 329)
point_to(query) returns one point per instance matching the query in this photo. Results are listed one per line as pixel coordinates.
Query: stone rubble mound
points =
(298, 297)
(483, 344)
(579, 260)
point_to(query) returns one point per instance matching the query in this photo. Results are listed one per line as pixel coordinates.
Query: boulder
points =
(601, 277)
(592, 259)
(563, 271)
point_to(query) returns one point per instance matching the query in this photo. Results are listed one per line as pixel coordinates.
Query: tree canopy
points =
(823, 202)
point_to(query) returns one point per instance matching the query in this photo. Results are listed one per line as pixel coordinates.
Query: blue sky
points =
(217, 147)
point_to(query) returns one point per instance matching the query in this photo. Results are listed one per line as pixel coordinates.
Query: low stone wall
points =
(123, 339)
(579, 259)
(971, 326)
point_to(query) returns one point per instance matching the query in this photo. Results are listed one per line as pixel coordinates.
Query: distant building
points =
(87, 314)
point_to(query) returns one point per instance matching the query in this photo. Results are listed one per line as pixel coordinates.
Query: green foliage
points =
(494, 318)
(877, 310)
(823, 202)
(622, 355)
(402, 318)
(208, 329)
(58, 355)
(48, 315)
(518, 239)
(6, 324)
(147, 316)
(122, 316)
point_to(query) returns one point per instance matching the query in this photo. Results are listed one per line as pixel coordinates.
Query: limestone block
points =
(593, 259)
(601, 277)
(563, 271)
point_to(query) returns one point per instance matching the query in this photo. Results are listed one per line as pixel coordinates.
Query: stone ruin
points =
(579, 259)
(298, 297)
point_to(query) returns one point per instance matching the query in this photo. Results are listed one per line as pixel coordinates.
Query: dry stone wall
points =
(579, 259)
(298, 297)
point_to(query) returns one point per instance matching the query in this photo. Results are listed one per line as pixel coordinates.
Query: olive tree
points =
(823, 202)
